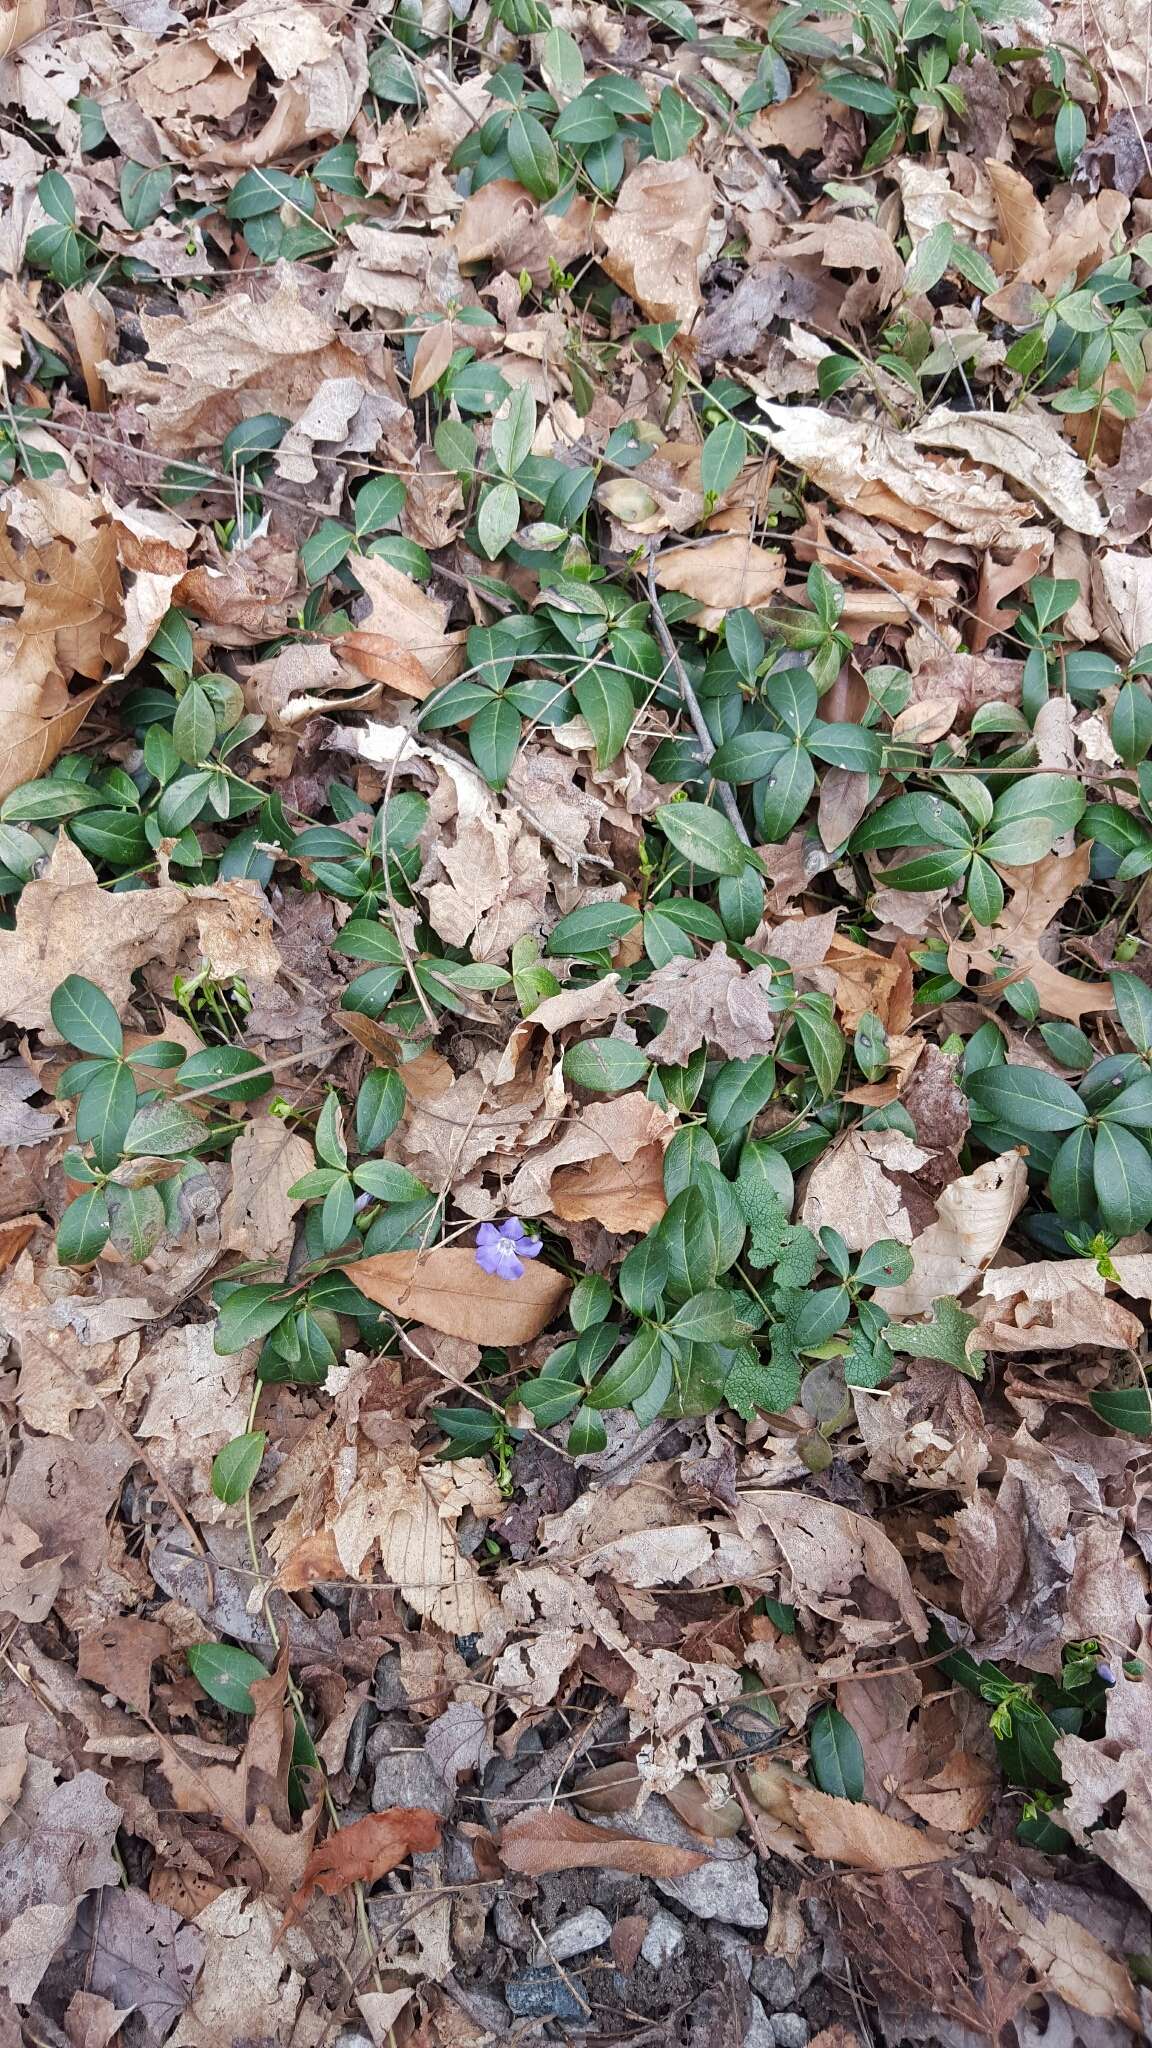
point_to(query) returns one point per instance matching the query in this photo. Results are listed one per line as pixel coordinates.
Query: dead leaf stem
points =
(691, 702)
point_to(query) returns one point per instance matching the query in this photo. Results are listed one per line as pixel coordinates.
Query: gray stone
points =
(542, 1994)
(576, 1936)
(790, 2030)
(664, 1937)
(734, 1947)
(724, 1887)
(759, 2033)
(775, 1981)
(409, 1778)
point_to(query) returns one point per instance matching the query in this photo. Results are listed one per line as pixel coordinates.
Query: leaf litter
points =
(575, 822)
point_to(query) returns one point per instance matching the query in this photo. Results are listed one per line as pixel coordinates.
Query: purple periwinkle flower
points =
(1105, 1672)
(501, 1248)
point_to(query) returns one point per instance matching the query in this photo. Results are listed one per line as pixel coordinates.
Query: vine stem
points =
(691, 702)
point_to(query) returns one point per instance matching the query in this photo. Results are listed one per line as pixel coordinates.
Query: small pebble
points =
(775, 1982)
(759, 2034)
(542, 1994)
(576, 1936)
(790, 2030)
(664, 1937)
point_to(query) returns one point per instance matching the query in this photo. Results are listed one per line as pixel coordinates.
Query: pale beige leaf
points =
(850, 1189)
(404, 641)
(654, 237)
(266, 1160)
(843, 1830)
(723, 575)
(1049, 1305)
(828, 1550)
(973, 1216)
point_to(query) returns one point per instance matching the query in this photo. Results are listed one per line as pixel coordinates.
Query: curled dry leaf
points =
(548, 1839)
(1049, 1305)
(404, 641)
(842, 1830)
(1066, 1957)
(712, 1001)
(609, 1165)
(362, 1852)
(723, 575)
(446, 1289)
(973, 1216)
(850, 1188)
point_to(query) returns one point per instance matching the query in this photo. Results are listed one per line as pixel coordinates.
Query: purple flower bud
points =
(502, 1248)
(1104, 1671)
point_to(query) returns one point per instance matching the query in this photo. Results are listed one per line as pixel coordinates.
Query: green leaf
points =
(251, 438)
(722, 456)
(561, 62)
(55, 196)
(781, 798)
(497, 519)
(853, 747)
(228, 1070)
(331, 1146)
(105, 1110)
(703, 837)
(590, 1302)
(606, 700)
(823, 1042)
(587, 1434)
(984, 892)
(245, 1314)
(377, 502)
(717, 1316)
(84, 1016)
(235, 1467)
(591, 929)
(1024, 1099)
(226, 1674)
(533, 155)
(325, 549)
(931, 258)
(751, 1384)
(379, 1107)
(143, 192)
(1122, 1175)
(643, 1276)
(1128, 1408)
(84, 1229)
(194, 726)
(675, 124)
(607, 1066)
(1056, 803)
(835, 1754)
(630, 1375)
(852, 89)
(549, 1399)
(163, 1130)
(362, 939)
(888, 1263)
(513, 431)
(388, 1181)
(493, 738)
(1133, 1005)
(945, 1337)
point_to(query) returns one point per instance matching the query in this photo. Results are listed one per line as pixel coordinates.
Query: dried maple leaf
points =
(363, 1852)
(403, 642)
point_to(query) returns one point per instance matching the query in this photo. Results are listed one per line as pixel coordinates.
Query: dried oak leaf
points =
(137, 1953)
(1096, 1777)
(1051, 1305)
(652, 240)
(850, 1187)
(827, 1551)
(363, 1852)
(446, 1289)
(712, 1001)
(545, 1840)
(973, 1216)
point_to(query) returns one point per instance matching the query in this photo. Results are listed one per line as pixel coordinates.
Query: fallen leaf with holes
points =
(710, 1001)
(1049, 1305)
(548, 1839)
(363, 1852)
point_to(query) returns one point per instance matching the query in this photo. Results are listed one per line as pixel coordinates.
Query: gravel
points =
(542, 1994)
(576, 1936)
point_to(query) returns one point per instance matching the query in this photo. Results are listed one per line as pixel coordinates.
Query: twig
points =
(691, 702)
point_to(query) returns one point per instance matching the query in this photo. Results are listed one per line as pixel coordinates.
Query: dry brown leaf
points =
(828, 1550)
(957, 1796)
(722, 575)
(1053, 1304)
(849, 1187)
(1065, 1956)
(1096, 1778)
(709, 1001)
(973, 1216)
(362, 1852)
(608, 1165)
(1024, 234)
(496, 886)
(446, 1289)
(842, 1830)
(1024, 445)
(535, 1843)
(654, 237)
(1013, 950)
(844, 244)
(883, 474)
(404, 641)
(266, 1159)
(118, 1655)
